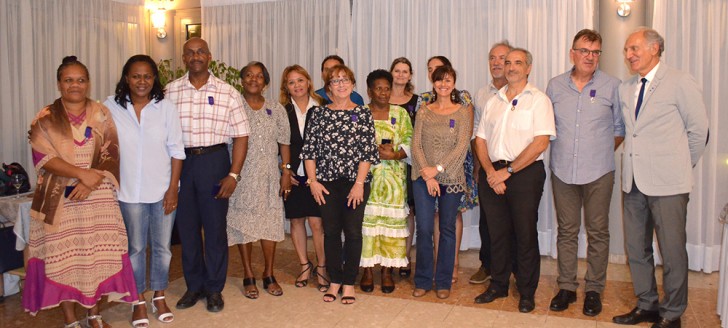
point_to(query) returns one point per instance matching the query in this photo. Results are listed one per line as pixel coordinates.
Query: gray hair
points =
(503, 43)
(529, 57)
(652, 37)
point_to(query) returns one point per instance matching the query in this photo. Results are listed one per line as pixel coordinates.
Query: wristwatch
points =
(439, 168)
(285, 166)
(235, 176)
(309, 181)
(509, 168)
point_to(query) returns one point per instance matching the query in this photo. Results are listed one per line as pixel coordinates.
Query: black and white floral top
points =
(338, 140)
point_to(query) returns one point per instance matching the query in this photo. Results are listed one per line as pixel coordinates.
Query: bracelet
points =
(359, 182)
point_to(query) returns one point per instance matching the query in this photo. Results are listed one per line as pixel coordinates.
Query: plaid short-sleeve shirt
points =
(210, 115)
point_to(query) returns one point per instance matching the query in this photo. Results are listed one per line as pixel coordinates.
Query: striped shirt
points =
(210, 115)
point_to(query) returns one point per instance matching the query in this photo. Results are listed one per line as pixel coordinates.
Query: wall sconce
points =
(158, 21)
(624, 8)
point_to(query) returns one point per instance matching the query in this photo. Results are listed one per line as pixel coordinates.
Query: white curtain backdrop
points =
(697, 43)
(37, 34)
(463, 31)
(277, 33)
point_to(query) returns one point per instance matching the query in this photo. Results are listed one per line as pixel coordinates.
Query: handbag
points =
(6, 185)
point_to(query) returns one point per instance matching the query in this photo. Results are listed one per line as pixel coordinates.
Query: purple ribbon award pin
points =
(268, 111)
(88, 134)
(592, 94)
(210, 100)
(452, 125)
(393, 120)
(514, 103)
(354, 118)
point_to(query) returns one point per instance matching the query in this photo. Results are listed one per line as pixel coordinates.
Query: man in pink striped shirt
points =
(211, 113)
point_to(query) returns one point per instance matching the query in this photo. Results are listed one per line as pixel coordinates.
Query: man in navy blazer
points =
(666, 131)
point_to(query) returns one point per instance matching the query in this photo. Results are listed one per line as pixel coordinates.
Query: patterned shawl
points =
(51, 137)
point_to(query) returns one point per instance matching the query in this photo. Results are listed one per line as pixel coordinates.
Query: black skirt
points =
(300, 203)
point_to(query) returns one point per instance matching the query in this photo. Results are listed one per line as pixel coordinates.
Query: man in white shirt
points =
(514, 131)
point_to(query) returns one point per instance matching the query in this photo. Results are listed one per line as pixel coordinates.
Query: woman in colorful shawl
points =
(385, 217)
(78, 244)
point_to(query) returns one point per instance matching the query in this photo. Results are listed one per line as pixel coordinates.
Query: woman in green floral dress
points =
(384, 229)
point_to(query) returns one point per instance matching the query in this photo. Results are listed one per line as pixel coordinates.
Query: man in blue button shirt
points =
(590, 127)
(326, 65)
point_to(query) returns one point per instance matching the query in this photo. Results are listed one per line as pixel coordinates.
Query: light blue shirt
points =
(586, 126)
(146, 148)
(355, 97)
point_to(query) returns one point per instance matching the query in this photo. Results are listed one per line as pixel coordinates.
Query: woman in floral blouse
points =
(338, 150)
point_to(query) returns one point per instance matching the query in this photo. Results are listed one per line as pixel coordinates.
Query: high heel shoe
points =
(387, 280)
(366, 284)
(75, 324)
(98, 319)
(139, 323)
(267, 281)
(162, 317)
(304, 282)
(405, 272)
(322, 287)
(252, 293)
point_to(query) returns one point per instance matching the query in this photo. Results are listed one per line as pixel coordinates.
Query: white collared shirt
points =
(650, 76)
(146, 148)
(508, 131)
(301, 118)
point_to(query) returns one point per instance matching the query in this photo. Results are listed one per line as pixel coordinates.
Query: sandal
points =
(323, 287)
(330, 297)
(267, 281)
(98, 319)
(75, 324)
(304, 282)
(162, 317)
(139, 323)
(348, 300)
(252, 293)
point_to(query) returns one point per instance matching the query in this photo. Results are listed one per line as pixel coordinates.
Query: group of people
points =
(227, 167)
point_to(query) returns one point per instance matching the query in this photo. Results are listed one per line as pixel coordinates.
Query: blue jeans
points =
(147, 223)
(425, 223)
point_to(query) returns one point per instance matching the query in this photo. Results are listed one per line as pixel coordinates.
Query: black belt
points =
(502, 163)
(204, 150)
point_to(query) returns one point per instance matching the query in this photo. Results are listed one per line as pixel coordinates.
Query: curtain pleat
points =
(36, 37)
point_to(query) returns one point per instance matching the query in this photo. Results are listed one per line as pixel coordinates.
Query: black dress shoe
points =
(561, 301)
(636, 316)
(215, 302)
(189, 299)
(667, 323)
(490, 295)
(592, 304)
(526, 304)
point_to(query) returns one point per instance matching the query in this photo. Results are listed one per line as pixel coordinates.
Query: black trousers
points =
(337, 217)
(484, 254)
(204, 267)
(515, 212)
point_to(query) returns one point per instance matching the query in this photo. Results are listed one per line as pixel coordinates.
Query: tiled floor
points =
(302, 307)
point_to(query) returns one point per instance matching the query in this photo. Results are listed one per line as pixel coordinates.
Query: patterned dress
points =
(470, 196)
(256, 208)
(384, 231)
(83, 254)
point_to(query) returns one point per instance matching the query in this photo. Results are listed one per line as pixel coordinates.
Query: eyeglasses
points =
(339, 81)
(585, 52)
